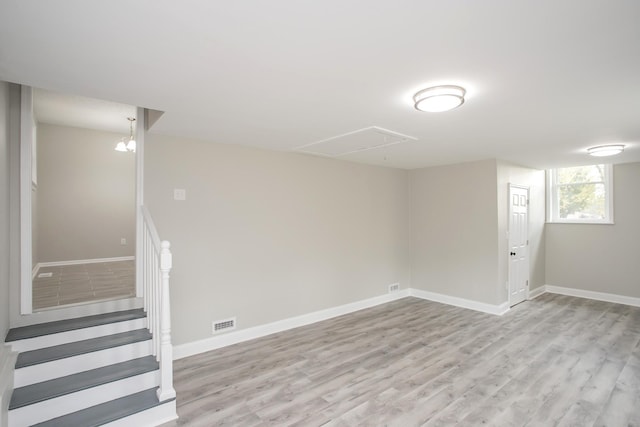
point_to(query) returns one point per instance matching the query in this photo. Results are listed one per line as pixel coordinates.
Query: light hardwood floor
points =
(556, 360)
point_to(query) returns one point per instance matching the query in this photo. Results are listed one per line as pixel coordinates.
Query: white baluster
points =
(166, 390)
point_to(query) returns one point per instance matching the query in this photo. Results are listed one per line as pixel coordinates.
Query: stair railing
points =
(156, 264)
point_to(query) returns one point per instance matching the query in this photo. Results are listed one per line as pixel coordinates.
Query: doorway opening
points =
(82, 201)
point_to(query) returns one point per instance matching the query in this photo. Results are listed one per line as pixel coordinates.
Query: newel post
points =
(166, 390)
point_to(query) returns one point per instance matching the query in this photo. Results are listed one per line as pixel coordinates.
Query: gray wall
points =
(459, 228)
(267, 235)
(534, 179)
(86, 195)
(4, 209)
(601, 258)
(455, 231)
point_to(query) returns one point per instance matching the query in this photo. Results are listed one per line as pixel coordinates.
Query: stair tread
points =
(40, 329)
(109, 411)
(39, 392)
(48, 354)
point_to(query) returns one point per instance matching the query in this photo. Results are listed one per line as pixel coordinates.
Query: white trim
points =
(34, 271)
(219, 341)
(83, 261)
(26, 187)
(141, 128)
(535, 293)
(552, 215)
(599, 296)
(7, 362)
(498, 310)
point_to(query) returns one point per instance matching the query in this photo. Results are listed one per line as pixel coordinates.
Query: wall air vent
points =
(224, 325)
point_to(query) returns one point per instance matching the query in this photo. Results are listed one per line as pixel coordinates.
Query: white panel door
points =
(518, 244)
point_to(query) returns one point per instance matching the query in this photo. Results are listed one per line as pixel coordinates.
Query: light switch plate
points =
(179, 194)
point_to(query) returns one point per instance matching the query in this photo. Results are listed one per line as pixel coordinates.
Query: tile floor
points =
(82, 283)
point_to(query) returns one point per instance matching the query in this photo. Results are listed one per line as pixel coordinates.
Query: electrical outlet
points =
(123, 241)
(395, 287)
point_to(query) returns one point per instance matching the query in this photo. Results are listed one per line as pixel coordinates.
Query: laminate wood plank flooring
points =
(555, 360)
(83, 283)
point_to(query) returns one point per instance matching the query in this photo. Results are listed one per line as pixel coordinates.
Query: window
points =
(581, 194)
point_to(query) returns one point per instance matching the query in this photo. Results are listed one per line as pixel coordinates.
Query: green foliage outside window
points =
(581, 192)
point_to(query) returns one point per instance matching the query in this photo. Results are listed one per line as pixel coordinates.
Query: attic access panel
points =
(352, 142)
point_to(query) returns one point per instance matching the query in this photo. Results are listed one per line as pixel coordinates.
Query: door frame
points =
(27, 183)
(27, 127)
(509, 216)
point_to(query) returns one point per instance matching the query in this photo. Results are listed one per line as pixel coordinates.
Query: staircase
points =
(90, 371)
(110, 369)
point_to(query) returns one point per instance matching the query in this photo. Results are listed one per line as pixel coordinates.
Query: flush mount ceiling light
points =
(129, 145)
(439, 98)
(606, 150)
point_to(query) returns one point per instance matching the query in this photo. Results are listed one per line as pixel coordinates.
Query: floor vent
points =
(42, 275)
(224, 325)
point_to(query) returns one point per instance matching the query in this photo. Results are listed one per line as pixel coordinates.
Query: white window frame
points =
(552, 199)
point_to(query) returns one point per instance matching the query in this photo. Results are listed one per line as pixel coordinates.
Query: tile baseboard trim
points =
(599, 296)
(196, 347)
(498, 310)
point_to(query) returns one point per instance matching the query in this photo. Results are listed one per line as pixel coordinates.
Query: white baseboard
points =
(461, 302)
(535, 293)
(82, 261)
(196, 347)
(219, 341)
(599, 296)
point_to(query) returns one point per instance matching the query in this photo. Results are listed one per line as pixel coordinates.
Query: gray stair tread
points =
(39, 392)
(41, 329)
(108, 412)
(48, 354)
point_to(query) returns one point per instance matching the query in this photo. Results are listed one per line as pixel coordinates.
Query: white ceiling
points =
(71, 110)
(545, 79)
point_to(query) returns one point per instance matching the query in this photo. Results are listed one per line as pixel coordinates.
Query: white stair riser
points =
(52, 408)
(83, 362)
(150, 418)
(76, 311)
(77, 335)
